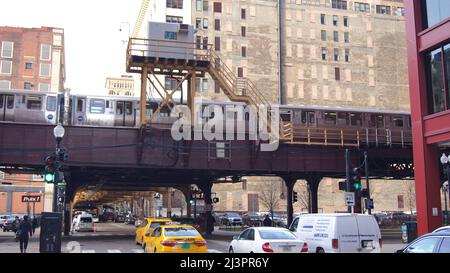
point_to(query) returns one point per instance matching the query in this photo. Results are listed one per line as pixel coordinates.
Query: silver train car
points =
(30, 106)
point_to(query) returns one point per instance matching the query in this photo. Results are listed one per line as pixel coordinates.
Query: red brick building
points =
(32, 59)
(428, 43)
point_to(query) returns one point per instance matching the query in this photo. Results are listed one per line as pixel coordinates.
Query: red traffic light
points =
(50, 160)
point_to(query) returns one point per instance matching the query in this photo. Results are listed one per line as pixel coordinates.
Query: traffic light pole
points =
(56, 180)
(347, 175)
(366, 165)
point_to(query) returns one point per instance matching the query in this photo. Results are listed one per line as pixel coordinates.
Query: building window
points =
(243, 31)
(335, 20)
(383, 9)
(217, 43)
(28, 65)
(7, 49)
(45, 87)
(218, 7)
(337, 74)
(205, 85)
(438, 79)
(27, 85)
(198, 42)
(240, 72)
(205, 23)
(170, 35)
(216, 88)
(339, 4)
(205, 43)
(434, 11)
(46, 52)
(362, 7)
(198, 23)
(243, 15)
(345, 21)
(400, 11)
(347, 55)
(244, 51)
(174, 19)
(198, 5)
(6, 67)
(336, 54)
(346, 37)
(5, 85)
(217, 24)
(335, 36)
(205, 5)
(322, 19)
(323, 35)
(324, 53)
(174, 4)
(45, 70)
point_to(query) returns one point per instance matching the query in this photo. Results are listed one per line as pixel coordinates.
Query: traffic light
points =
(215, 200)
(356, 179)
(342, 185)
(51, 166)
(294, 197)
(364, 193)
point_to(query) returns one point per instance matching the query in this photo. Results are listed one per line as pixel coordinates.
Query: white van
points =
(83, 222)
(338, 233)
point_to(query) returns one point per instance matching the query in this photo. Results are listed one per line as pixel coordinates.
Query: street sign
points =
(31, 198)
(368, 203)
(349, 198)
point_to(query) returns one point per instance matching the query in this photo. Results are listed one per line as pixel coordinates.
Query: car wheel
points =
(320, 250)
(231, 250)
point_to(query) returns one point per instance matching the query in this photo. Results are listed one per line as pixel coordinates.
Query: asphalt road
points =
(119, 238)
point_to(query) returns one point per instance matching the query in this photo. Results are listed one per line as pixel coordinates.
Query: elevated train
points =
(112, 111)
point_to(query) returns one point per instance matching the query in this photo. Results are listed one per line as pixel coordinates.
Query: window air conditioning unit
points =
(184, 28)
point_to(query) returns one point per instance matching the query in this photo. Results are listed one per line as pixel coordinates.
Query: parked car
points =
(231, 219)
(120, 218)
(329, 233)
(218, 217)
(3, 218)
(130, 219)
(252, 219)
(434, 242)
(267, 240)
(8, 224)
(95, 218)
(443, 229)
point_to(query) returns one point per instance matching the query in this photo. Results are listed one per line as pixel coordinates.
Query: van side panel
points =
(369, 231)
(347, 230)
(317, 232)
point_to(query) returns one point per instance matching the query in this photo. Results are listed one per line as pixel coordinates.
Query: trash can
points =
(51, 228)
(409, 231)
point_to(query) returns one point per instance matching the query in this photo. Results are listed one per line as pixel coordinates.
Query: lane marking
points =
(114, 251)
(214, 251)
(138, 250)
(88, 251)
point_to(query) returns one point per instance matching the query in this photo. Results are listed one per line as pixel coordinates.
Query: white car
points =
(83, 222)
(267, 240)
(442, 229)
(338, 232)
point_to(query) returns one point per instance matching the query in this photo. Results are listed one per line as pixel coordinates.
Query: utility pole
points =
(366, 165)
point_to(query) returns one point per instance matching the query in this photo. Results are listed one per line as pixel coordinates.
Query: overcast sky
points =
(94, 48)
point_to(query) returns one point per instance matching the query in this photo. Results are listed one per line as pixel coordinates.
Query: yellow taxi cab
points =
(147, 227)
(175, 238)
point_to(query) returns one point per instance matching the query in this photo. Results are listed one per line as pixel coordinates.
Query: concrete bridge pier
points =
(186, 190)
(313, 181)
(206, 188)
(290, 183)
(68, 205)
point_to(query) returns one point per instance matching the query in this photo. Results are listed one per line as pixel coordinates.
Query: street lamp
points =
(445, 160)
(58, 132)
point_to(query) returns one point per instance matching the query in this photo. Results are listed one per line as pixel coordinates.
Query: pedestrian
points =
(16, 224)
(267, 221)
(34, 224)
(25, 229)
(211, 222)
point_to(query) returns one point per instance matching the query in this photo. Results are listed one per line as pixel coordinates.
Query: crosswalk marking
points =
(138, 250)
(114, 251)
(214, 251)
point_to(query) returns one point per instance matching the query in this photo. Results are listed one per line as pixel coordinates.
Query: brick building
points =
(30, 59)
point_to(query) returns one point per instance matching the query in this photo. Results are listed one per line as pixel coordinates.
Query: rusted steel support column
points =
(290, 183)
(313, 185)
(143, 101)
(68, 205)
(191, 95)
(208, 218)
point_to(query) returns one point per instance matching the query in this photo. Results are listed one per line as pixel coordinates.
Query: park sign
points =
(31, 198)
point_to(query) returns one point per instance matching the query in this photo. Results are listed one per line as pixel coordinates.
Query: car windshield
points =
(156, 224)
(178, 232)
(276, 234)
(233, 215)
(86, 220)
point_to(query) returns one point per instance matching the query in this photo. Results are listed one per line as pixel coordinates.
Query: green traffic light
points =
(357, 186)
(49, 177)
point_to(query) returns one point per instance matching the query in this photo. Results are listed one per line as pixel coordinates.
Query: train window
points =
(409, 122)
(342, 118)
(34, 103)
(356, 119)
(2, 100)
(308, 117)
(107, 104)
(128, 108)
(119, 108)
(10, 102)
(51, 103)
(376, 121)
(330, 117)
(80, 105)
(97, 106)
(398, 121)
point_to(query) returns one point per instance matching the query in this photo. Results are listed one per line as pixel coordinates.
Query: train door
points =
(309, 119)
(125, 114)
(6, 107)
(80, 111)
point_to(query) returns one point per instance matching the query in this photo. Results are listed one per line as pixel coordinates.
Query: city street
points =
(119, 238)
